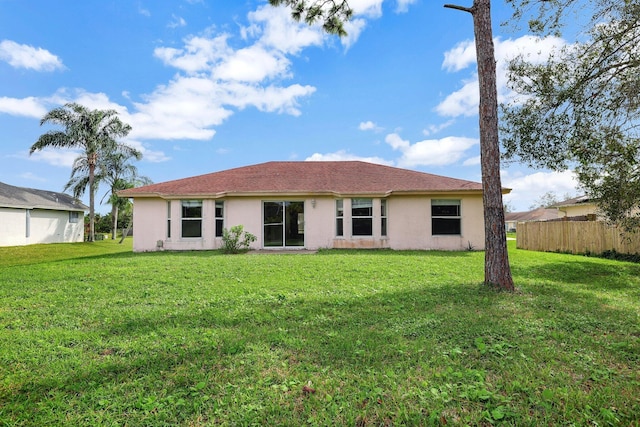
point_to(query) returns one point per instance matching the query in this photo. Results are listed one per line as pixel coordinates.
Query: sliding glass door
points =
(283, 224)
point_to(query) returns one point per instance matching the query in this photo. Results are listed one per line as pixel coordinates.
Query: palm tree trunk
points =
(114, 218)
(92, 229)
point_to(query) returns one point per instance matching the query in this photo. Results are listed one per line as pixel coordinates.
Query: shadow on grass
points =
(345, 339)
(142, 346)
(598, 276)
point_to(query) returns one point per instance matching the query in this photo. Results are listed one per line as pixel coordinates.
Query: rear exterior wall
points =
(409, 224)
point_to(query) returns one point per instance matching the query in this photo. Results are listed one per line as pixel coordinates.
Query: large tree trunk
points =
(496, 264)
(496, 260)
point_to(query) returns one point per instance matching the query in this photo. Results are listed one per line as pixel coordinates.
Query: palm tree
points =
(113, 168)
(120, 174)
(92, 131)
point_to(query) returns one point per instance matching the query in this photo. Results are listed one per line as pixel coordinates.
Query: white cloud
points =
(32, 177)
(370, 8)
(91, 100)
(464, 101)
(526, 189)
(268, 99)
(213, 79)
(25, 56)
(403, 5)
(460, 57)
(148, 155)
(143, 11)
(369, 125)
(343, 155)
(354, 28)
(472, 161)
(431, 129)
(198, 54)
(177, 21)
(364, 10)
(433, 152)
(277, 31)
(216, 78)
(57, 157)
(186, 108)
(252, 64)
(27, 107)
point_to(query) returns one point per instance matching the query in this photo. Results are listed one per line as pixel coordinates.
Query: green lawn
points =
(92, 334)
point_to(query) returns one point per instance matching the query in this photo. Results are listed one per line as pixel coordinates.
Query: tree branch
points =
(462, 8)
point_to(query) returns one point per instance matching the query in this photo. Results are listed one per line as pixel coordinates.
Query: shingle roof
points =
(348, 177)
(573, 202)
(30, 198)
(540, 214)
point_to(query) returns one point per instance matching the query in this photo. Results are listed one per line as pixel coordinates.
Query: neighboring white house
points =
(29, 216)
(311, 205)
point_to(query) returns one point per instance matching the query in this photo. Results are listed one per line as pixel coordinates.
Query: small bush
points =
(236, 240)
(613, 254)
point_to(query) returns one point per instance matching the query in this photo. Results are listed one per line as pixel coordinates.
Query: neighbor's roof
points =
(573, 202)
(540, 214)
(341, 178)
(30, 198)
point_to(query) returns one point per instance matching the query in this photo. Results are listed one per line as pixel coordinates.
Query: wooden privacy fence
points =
(577, 237)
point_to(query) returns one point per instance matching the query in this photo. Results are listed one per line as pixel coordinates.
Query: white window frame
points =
(340, 217)
(453, 214)
(354, 205)
(219, 219)
(383, 218)
(168, 219)
(191, 204)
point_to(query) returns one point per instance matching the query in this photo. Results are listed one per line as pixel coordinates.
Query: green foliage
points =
(331, 13)
(93, 334)
(94, 132)
(236, 240)
(104, 222)
(581, 108)
(613, 254)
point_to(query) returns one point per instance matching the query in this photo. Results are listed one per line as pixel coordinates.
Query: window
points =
(339, 217)
(74, 217)
(169, 219)
(445, 217)
(383, 217)
(361, 217)
(219, 218)
(192, 218)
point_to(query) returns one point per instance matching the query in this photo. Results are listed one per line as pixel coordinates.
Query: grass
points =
(92, 334)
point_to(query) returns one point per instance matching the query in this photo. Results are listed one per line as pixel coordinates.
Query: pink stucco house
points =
(310, 205)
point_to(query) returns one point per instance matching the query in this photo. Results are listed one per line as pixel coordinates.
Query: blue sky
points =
(209, 85)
